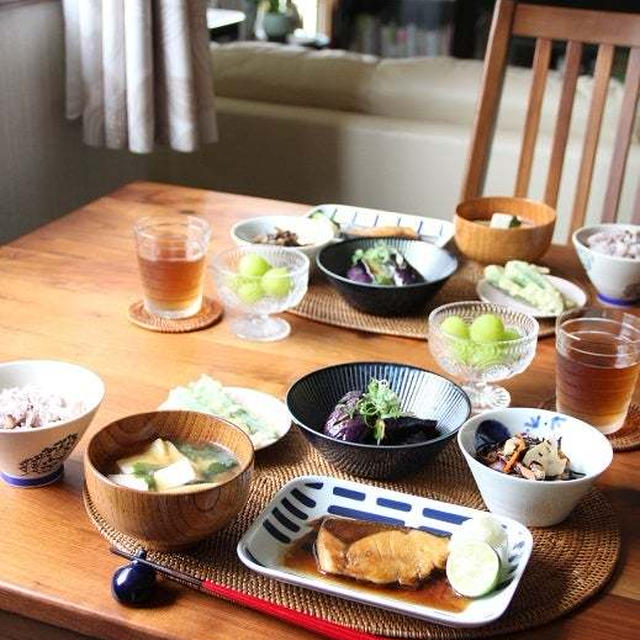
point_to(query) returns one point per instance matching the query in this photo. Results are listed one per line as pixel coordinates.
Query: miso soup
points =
(166, 465)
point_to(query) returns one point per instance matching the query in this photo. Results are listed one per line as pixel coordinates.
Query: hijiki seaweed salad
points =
(522, 455)
(375, 416)
(382, 264)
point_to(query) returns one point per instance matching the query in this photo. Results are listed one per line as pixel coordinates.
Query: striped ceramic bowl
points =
(312, 398)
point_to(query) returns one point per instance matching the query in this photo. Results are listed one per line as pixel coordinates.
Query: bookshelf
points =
(394, 28)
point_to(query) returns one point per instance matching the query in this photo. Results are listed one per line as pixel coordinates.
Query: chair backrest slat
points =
(490, 93)
(573, 56)
(541, 61)
(594, 120)
(582, 25)
(623, 137)
(635, 218)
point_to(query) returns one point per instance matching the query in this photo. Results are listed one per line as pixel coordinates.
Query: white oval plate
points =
(488, 293)
(261, 404)
(265, 406)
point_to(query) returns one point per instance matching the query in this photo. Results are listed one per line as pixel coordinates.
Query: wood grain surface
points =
(486, 244)
(65, 291)
(167, 520)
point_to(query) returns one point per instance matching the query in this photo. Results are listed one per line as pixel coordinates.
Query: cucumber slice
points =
(473, 568)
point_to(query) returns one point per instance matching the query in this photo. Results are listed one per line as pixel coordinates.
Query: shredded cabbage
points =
(209, 396)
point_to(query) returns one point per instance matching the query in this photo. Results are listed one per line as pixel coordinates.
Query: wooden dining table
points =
(65, 289)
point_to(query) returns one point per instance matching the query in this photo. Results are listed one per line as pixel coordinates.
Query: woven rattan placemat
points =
(569, 564)
(323, 304)
(625, 439)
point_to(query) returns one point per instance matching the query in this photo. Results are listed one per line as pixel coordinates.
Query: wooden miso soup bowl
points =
(166, 520)
(482, 243)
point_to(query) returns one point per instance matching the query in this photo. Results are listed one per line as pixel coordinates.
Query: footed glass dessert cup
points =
(480, 343)
(257, 281)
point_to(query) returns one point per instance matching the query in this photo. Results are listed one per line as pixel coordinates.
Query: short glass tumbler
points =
(172, 251)
(477, 365)
(255, 296)
(598, 355)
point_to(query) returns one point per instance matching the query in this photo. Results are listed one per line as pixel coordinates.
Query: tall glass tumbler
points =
(172, 251)
(598, 351)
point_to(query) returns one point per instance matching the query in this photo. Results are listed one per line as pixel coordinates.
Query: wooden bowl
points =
(166, 520)
(484, 244)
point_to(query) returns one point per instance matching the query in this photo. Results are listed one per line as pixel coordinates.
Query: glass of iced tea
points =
(171, 255)
(598, 351)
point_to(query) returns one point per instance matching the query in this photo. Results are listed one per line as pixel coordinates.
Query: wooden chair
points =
(576, 26)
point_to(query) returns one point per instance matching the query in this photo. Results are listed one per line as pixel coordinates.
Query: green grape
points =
(511, 334)
(455, 326)
(486, 329)
(235, 281)
(253, 264)
(483, 356)
(250, 292)
(462, 350)
(277, 282)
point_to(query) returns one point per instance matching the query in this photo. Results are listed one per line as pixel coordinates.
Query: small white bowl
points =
(617, 280)
(538, 503)
(34, 457)
(313, 234)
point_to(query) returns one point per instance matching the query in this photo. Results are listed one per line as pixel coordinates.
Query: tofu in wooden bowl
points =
(169, 478)
(521, 230)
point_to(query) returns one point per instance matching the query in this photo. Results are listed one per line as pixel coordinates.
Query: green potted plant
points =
(276, 20)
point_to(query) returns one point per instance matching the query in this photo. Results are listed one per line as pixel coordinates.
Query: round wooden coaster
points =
(210, 312)
(625, 439)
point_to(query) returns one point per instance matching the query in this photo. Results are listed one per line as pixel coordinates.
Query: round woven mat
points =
(569, 564)
(210, 312)
(323, 304)
(625, 439)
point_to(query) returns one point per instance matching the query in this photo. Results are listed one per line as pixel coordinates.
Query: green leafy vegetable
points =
(144, 470)
(376, 404)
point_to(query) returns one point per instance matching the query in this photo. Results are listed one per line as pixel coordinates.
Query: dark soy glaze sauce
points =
(435, 592)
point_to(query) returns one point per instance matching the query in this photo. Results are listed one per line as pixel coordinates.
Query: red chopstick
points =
(304, 620)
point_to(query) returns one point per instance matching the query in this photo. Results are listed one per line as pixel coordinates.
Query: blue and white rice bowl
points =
(616, 279)
(34, 457)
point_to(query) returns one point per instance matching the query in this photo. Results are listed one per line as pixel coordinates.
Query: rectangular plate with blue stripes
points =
(305, 499)
(433, 230)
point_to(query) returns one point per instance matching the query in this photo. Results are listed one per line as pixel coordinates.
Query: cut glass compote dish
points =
(257, 282)
(480, 343)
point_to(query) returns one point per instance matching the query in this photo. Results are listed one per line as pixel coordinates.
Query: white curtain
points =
(139, 72)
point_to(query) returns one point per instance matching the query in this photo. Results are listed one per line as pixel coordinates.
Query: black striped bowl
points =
(311, 399)
(434, 264)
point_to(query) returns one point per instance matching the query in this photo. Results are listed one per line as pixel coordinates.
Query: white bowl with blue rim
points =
(617, 280)
(291, 514)
(541, 503)
(34, 457)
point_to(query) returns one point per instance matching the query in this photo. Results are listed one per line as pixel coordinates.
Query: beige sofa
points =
(294, 124)
(340, 127)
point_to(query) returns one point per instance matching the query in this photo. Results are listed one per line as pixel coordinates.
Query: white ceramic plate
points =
(289, 515)
(434, 230)
(488, 293)
(263, 405)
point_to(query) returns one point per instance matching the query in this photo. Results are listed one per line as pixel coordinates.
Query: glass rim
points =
(143, 227)
(605, 316)
(215, 263)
